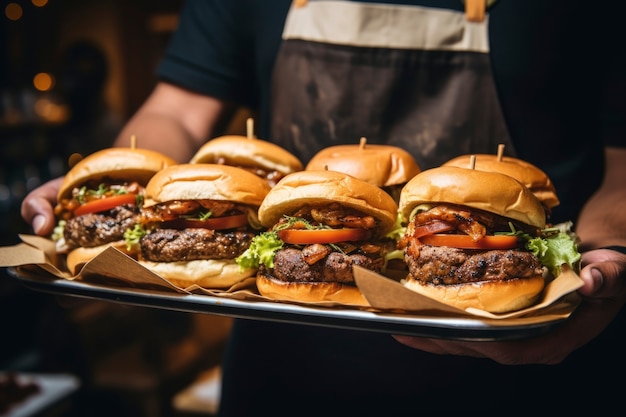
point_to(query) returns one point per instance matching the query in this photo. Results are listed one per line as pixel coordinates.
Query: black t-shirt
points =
(557, 68)
(559, 71)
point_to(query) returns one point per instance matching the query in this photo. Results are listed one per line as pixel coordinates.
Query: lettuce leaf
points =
(555, 247)
(261, 251)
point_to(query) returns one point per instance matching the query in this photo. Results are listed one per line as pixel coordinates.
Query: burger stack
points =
(245, 208)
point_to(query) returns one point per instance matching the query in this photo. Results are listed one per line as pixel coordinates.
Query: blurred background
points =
(73, 71)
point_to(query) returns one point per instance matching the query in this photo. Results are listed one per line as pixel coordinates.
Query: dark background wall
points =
(101, 56)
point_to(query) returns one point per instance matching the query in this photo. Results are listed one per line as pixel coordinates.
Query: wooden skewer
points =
(133, 141)
(362, 142)
(472, 163)
(250, 128)
(475, 10)
(500, 152)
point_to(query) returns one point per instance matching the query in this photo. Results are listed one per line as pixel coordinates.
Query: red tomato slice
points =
(105, 204)
(310, 236)
(214, 223)
(466, 241)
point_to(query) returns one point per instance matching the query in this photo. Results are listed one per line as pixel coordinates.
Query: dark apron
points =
(415, 77)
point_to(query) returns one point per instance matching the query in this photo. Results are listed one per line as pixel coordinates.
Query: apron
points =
(415, 77)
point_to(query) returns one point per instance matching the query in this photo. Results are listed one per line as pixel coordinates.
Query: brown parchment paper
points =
(388, 294)
(384, 293)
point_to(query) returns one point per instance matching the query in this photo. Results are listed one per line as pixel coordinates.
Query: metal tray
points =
(457, 328)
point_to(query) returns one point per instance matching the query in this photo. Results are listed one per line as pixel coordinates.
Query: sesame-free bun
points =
(247, 152)
(324, 187)
(528, 174)
(381, 165)
(491, 296)
(490, 191)
(206, 181)
(205, 273)
(78, 257)
(116, 164)
(310, 292)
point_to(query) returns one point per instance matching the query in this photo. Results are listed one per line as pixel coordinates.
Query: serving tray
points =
(424, 325)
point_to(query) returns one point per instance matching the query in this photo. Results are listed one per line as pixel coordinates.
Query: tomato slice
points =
(466, 241)
(310, 236)
(214, 223)
(104, 204)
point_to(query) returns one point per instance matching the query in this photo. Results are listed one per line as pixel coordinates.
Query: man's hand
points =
(38, 207)
(604, 294)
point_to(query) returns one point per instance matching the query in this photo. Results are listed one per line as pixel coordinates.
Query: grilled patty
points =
(95, 229)
(294, 265)
(171, 245)
(445, 265)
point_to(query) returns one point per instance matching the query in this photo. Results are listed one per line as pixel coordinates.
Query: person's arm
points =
(602, 223)
(603, 219)
(173, 121)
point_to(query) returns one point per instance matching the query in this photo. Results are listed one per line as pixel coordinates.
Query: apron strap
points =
(475, 10)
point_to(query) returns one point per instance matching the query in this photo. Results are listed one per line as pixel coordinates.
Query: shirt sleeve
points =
(208, 52)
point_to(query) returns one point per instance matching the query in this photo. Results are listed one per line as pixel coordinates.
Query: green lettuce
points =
(261, 251)
(556, 246)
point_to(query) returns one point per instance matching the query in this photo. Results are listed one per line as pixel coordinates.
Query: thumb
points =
(603, 274)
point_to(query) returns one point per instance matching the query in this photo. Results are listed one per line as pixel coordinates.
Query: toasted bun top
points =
(243, 151)
(490, 191)
(206, 181)
(117, 164)
(381, 165)
(528, 174)
(322, 187)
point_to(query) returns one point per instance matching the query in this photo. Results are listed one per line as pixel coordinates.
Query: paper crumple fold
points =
(114, 268)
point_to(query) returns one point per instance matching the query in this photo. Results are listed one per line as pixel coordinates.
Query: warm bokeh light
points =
(43, 81)
(13, 11)
(39, 3)
(50, 111)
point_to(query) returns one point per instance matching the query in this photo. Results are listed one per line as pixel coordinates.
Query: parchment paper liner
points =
(385, 294)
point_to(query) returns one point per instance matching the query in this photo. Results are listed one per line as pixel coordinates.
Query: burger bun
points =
(310, 292)
(205, 273)
(324, 187)
(115, 164)
(489, 191)
(491, 296)
(528, 174)
(242, 151)
(381, 165)
(78, 257)
(206, 181)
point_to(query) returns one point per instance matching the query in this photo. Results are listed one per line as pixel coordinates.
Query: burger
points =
(528, 174)
(264, 159)
(99, 198)
(319, 225)
(386, 166)
(196, 219)
(479, 239)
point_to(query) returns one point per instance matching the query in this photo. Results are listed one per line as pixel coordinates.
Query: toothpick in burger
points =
(320, 224)
(99, 198)
(479, 239)
(386, 166)
(196, 219)
(528, 174)
(262, 158)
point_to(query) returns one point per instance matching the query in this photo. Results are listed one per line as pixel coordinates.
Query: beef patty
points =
(171, 245)
(446, 265)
